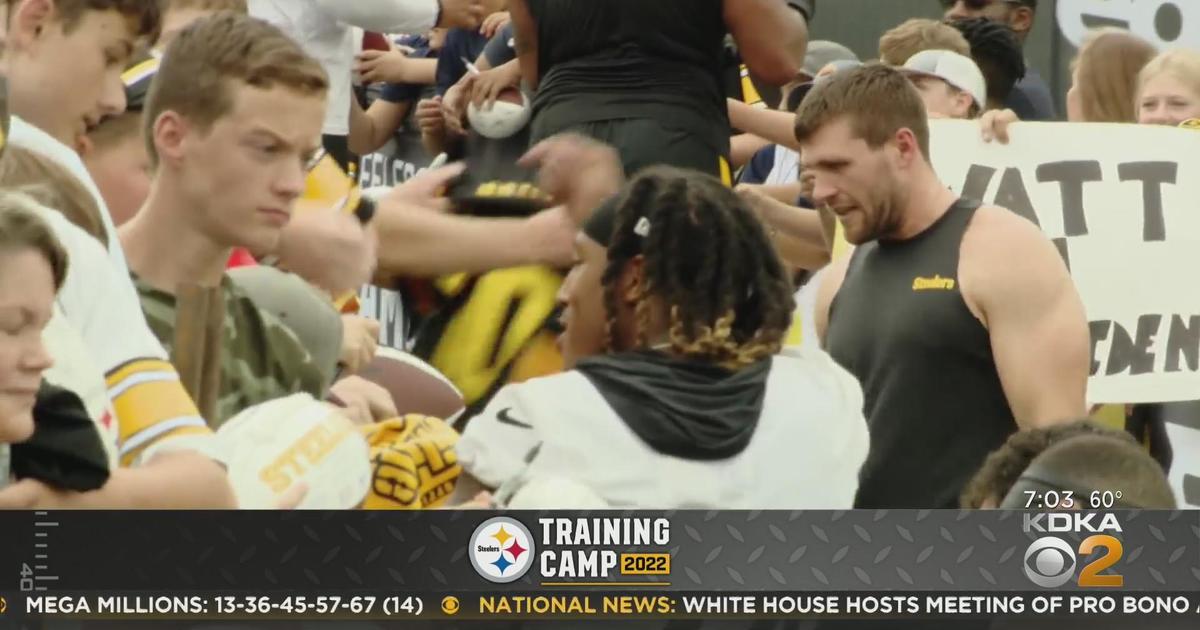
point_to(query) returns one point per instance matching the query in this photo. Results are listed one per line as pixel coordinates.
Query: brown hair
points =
(878, 100)
(52, 186)
(115, 130)
(237, 6)
(1088, 463)
(145, 16)
(1108, 64)
(1003, 467)
(918, 34)
(194, 78)
(22, 228)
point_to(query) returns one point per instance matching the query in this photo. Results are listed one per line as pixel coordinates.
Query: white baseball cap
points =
(958, 70)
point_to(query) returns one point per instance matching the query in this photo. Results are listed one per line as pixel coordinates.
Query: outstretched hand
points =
(576, 171)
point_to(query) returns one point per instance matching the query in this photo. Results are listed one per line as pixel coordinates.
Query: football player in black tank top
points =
(645, 76)
(960, 321)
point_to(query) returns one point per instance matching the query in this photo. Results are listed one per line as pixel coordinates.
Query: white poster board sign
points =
(1164, 23)
(1122, 203)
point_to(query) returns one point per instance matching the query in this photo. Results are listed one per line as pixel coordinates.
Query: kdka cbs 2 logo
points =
(1051, 561)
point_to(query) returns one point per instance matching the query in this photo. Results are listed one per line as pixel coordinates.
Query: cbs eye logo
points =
(1050, 561)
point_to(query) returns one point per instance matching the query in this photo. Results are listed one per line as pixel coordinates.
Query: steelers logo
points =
(501, 549)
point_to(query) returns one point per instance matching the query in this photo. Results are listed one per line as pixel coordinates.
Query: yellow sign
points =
(645, 564)
(450, 605)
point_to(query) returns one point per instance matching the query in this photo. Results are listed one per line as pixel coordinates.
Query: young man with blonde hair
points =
(231, 122)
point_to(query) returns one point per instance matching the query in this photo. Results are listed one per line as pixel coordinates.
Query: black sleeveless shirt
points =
(618, 59)
(934, 403)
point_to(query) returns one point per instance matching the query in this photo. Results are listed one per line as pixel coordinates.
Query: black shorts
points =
(643, 142)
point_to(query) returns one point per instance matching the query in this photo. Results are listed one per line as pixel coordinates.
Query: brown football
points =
(511, 95)
(416, 386)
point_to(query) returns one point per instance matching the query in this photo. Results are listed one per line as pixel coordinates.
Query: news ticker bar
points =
(463, 551)
(629, 605)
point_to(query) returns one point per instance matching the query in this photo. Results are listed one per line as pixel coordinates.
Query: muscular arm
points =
(423, 242)
(525, 35)
(771, 36)
(829, 288)
(1023, 293)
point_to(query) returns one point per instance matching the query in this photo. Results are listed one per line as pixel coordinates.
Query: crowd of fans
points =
(740, 282)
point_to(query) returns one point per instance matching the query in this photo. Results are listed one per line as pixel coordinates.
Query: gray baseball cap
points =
(796, 96)
(823, 52)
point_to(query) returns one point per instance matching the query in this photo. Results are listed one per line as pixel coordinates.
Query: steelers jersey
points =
(152, 410)
(492, 329)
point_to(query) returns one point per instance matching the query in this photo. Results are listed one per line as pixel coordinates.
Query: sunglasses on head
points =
(976, 5)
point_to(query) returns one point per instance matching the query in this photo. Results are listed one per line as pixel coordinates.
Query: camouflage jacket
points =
(261, 358)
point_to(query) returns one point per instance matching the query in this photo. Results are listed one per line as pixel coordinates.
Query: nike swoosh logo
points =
(506, 418)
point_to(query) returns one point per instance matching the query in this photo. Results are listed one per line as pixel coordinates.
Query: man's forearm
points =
(384, 16)
(742, 148)
(421, 71)
(775, 126)
(361, 139)
(784, 193)
(425, 243)
(800, 239)
(526, 42)
(176, 480)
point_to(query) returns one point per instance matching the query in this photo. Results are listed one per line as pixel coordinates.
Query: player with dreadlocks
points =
(997, 51)
(677, 394)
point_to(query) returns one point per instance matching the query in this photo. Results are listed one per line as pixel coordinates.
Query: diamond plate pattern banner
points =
(858, 551)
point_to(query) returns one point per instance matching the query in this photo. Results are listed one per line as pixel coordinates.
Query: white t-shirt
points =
(324, 28)
(98, 298)
(806, 451)
(26, 136)
(785, 169)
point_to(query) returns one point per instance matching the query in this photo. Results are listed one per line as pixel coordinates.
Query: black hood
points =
(681, 407)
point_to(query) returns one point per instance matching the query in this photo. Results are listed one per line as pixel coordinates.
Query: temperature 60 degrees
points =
(1104, 499)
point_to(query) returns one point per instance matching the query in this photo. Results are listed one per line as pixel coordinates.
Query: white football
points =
(273, 446)
(504, 119)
